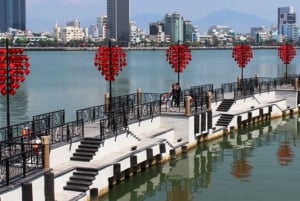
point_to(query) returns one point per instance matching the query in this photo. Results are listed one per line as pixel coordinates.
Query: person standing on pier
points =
(178, 94)
(173, 95)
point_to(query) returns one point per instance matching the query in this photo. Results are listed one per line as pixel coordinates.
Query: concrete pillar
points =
(209, 97)
(106, 102)
(27, 192)
(94, 194)
(296, 84)
(49, 186)
(45, 142)
(139, 96)
(188, 105)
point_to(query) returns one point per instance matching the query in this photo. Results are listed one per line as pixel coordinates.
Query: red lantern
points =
(18, 68)
(178, 56)
(110, 61)
(286, 53)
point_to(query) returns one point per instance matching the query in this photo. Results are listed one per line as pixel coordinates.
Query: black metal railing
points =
(57, 134)
(63, 133)
(20, 164)
(118, 122)
(51, 119)
(91, 114)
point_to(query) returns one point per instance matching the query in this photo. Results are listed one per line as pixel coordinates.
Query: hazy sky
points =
(42, 14)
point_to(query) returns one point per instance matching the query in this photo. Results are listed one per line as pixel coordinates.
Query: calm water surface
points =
(68, 79)
(258, 164)
(261, 163)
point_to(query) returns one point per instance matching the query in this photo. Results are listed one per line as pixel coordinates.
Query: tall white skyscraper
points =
(287, 23)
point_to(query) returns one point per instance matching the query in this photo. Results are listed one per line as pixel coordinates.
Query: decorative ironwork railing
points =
(20, 164)
(117, 122)
(48, 120)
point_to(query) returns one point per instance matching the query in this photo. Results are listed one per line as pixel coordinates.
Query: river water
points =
(261, 163)
(258, 164)
(68, 79)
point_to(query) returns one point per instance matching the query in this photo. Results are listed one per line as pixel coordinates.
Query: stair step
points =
(85, 173)
(86, 169)
(82, 177)
(92, 138)
(89, 146)
(79, 183)
(80, 158)
(76, 188)
(90, 142)
(89, 150)
(88, 154)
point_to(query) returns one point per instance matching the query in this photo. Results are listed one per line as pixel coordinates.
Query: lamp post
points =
(286, 52)
(110, 61)
(14, 67)
(178, 56)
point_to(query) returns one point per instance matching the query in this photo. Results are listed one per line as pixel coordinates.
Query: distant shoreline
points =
(136, 48)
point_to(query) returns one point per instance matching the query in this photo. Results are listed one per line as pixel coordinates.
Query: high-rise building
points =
(118, 21)
(287, 23)
(174, 26)
(188, 30)
(102, 26)
(12, 14)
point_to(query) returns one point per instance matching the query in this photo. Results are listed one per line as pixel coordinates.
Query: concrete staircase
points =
(81, 179)
(87, 149)
(225, 105)
(224, 120)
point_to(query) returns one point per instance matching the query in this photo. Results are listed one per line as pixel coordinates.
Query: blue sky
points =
(42, 14)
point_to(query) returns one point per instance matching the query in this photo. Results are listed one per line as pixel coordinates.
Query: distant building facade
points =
(174, 26)
(118, 21)
(188, 30)
(287, 23)
(12, 15)
(102, 27)
(72, 31)
(156, 32)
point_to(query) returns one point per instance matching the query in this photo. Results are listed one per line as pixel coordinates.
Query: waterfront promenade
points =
(151, 132)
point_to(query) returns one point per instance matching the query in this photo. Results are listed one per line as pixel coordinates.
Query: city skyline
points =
(42, 14)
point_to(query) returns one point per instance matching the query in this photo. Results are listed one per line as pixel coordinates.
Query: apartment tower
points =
(118, 28)
(12, 14)
(287, 23)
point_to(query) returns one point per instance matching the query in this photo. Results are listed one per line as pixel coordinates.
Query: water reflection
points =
(244, 156)
(285, 154)
(18, 107)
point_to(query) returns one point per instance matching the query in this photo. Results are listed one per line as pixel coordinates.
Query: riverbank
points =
(137, 48)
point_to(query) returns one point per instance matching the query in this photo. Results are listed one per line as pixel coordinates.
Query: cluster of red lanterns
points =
(242, 54)
(14, 67)
(178, 56)
(110, 61)
(287, 53)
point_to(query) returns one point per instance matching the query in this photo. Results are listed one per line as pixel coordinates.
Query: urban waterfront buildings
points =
(173, 28)
(118, 27)
(72, 31)
(12, 14)
(287, 23)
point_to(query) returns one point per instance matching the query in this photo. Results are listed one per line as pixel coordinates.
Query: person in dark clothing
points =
(173, 95)
(178, 94)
